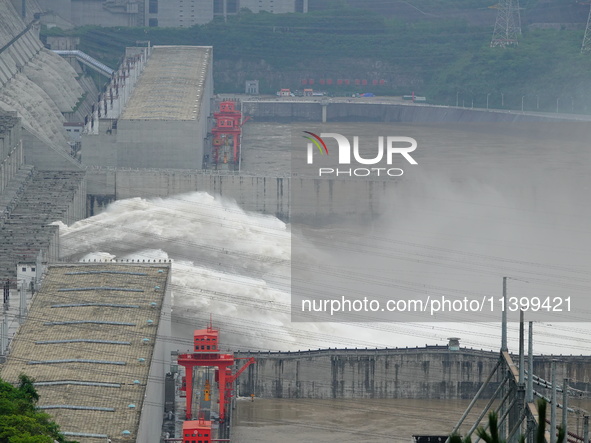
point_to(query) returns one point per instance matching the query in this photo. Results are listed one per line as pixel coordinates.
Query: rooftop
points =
(88, 342)
(171, 86)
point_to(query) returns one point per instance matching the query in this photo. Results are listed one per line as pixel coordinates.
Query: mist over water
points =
(479, 206)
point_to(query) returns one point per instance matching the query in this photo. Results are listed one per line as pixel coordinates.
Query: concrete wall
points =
(431, 372)
(159, 144)
(260, 194)
(153, 405)
(321, 199)
(299, 111)
(46, 157)
(147, 144)
(10, 133)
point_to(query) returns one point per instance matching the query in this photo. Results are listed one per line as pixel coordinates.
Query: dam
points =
(431, 372)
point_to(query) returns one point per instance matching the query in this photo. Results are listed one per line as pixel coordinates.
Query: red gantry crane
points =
(227, 135)
(206, 352)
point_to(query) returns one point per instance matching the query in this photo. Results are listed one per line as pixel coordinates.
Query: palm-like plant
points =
(493, 424)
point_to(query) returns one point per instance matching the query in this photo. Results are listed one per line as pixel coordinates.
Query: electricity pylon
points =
(586, 47)
(508, 24)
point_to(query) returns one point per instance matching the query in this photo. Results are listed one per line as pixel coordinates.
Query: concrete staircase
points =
(34, 200)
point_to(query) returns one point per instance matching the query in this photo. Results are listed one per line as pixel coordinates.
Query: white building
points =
(163, 13)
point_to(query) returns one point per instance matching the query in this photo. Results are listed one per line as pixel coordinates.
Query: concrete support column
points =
(4, 333)
(22, 307)
(2, 337)
(324, 104)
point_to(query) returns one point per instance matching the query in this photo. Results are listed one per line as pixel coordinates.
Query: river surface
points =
(271, 420)
(369, 420)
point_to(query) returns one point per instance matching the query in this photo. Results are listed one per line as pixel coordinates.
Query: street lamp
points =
(457, 99)
(557, 100)
(522, 97)
(487, 96)
(502, 99)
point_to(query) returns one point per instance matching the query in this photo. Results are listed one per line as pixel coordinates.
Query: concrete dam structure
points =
(325, 110)
(41, 181)
(422, 373)
(35, 82)
(267, 195)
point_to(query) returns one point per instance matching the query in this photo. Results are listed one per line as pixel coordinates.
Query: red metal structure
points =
(206, 352)
(197, 431)
(227, 135)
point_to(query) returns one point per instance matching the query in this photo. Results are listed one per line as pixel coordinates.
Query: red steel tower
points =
(197, 431)
(206, 352)
(227, 135)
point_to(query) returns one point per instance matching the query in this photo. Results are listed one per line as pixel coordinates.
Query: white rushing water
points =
(227, 263)
(469, 217)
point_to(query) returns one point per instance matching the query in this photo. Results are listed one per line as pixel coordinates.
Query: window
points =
(32, 269)
(218, 7)
(24, 269)
(299, 6)
(232, 6)
(153, 7)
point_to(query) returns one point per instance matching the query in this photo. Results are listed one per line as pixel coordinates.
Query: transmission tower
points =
(508, 24)
(587, 39)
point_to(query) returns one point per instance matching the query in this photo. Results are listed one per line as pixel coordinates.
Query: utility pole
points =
(586, 47)
(521, 350)
(504, 318)
(553, 405)
(565, 406)
(530, 367)
(508, 24)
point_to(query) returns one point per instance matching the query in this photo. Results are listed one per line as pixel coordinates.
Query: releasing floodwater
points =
(476, 208)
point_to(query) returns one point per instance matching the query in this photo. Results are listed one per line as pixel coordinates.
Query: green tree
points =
(493, 425)
(20, 420)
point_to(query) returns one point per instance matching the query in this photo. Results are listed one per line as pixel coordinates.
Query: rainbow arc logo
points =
(388, 147)
(317, 140)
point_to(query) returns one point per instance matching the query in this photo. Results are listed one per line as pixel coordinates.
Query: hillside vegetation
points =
(446, 60)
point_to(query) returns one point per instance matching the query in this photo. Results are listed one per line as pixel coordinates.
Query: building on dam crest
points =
(96, 343)
(165, 120)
